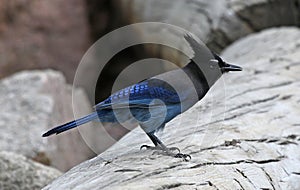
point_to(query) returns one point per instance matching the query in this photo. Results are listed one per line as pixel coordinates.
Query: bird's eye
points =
(213, 64)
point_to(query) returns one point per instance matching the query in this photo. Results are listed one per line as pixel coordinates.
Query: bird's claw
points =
(186, 157)
(167, 151)
(149, 147)
(174, 149)
(158, 148)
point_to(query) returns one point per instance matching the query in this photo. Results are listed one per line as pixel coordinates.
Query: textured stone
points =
(261, 14)
(243, 135)
(31, 102)
(217, 22)
(19, 173)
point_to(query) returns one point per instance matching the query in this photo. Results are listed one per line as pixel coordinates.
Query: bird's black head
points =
(225, 67)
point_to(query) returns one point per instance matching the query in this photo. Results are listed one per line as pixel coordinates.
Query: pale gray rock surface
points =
(244, 134)
(31, 103)
(20, 173)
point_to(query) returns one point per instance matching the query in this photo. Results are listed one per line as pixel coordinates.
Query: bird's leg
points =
(165, 150)
(158, 144)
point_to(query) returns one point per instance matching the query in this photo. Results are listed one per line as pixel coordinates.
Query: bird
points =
(155, 101)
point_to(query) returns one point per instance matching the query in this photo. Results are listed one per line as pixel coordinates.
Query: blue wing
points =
(141, 95)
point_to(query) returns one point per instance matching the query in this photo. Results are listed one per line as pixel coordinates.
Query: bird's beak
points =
(229, 67)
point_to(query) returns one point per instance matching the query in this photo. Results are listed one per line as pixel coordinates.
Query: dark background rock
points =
(216, 22)
(265, 14)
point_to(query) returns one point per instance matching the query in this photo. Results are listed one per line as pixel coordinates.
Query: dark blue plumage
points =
(155, 101)
(137, 98)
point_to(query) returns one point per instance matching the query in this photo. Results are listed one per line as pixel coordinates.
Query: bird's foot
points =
(159, 148)
(172, 151)
(186, 157)
(147, 147)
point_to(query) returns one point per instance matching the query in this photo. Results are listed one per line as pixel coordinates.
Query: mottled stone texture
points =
(244, 134)
(32, 102)
(20, 173)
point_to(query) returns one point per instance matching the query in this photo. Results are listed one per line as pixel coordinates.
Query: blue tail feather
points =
(71, 124)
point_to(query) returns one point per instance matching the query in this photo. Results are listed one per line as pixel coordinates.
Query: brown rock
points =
(42, 34)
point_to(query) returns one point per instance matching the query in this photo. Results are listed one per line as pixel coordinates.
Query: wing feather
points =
(141, 95)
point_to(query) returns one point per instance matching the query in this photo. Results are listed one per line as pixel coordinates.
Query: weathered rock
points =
(216, 22)
(31, 103)
(19, 173)
(42, 34)
(261, 14)
(244, 134)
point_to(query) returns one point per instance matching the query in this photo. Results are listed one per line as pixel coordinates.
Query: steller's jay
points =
(155, 101)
